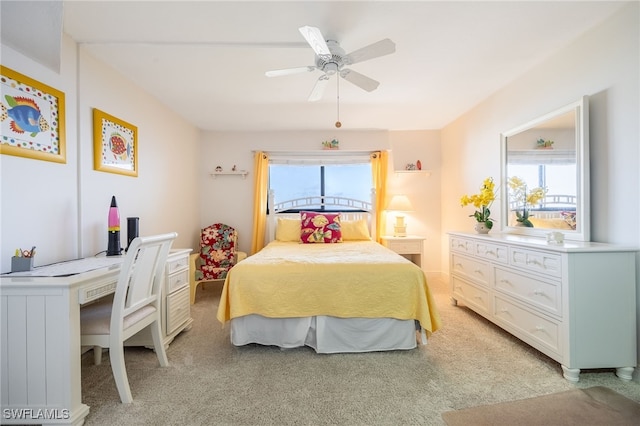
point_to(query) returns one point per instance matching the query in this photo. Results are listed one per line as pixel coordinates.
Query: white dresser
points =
(175, 308)
(574, 302)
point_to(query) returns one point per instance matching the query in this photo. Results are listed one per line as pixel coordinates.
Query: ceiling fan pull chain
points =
(338, 123)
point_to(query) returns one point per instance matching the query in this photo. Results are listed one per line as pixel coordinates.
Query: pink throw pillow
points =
(320, 227)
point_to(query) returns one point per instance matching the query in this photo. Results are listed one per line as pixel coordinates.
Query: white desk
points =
(40, 351)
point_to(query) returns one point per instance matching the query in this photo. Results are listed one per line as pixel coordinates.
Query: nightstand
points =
(411, 247)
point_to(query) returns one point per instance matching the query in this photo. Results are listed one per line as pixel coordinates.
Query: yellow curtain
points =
(260, 197)
(379, 162)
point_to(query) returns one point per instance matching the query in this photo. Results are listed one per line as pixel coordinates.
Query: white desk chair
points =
(136, 305)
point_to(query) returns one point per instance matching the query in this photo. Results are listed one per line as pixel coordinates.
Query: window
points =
(348, 178)
(563, 176)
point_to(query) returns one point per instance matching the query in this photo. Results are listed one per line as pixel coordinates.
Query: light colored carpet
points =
(469, 362)
(597, 406)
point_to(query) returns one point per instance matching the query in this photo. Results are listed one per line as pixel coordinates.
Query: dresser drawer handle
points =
(506, 281)
(504, 311)
(460, 245)
(477, 271)
(533, 262)
(538, 292)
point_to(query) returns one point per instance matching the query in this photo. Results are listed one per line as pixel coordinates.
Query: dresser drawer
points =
(461, 245)
(475, 297)
(472, 269)
(177, 280)
(177, 264)
(533, 328)
(177, 309)
(535, 261)
(493, 252)
(542, 294)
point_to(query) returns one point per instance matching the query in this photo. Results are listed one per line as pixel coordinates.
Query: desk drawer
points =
(177, 280)
(177, 309)
(177, 264)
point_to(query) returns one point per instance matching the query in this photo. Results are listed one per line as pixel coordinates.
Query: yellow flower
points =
(482, 201)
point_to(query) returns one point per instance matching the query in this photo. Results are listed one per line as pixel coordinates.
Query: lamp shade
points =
(400, 203)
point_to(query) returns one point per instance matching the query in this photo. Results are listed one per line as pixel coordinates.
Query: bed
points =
(342, 294)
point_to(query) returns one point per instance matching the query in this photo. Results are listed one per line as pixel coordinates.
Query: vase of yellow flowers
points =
(526, 198)
(482, 202)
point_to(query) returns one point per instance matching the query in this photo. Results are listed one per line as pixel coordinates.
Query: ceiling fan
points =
(331, 59)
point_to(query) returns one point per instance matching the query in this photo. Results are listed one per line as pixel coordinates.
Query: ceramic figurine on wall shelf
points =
(233, 169)
(218, 169)
(418, 165)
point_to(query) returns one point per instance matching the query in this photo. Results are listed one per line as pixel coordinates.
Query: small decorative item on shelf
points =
(218, 169)
(419, 165)
(332, 144)
(519, 196)
(234, 168)
(410, 166)
(482, 201)
(542, 144)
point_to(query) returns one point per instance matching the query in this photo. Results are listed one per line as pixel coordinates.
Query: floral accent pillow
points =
(320, 227)
(570, 218)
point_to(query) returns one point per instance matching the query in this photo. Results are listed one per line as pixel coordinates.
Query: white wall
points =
(603, 64)
(62, 208)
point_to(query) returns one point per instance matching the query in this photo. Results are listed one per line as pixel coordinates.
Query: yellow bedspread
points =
(347, 280)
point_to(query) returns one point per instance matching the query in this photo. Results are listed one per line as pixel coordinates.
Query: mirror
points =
(545, 175)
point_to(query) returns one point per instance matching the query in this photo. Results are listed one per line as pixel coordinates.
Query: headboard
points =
(365, 210)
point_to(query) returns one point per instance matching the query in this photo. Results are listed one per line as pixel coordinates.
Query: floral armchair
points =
(218, 254)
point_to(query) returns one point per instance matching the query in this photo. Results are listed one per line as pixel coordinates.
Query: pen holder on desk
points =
(20, 264)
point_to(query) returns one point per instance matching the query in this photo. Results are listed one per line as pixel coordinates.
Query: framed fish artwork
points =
(115, 145)
(32, 119)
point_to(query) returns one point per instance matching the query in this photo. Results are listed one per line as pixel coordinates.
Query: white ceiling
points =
(206, 59)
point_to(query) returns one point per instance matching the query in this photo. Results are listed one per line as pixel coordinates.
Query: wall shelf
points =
(415, 172)
(242, 173)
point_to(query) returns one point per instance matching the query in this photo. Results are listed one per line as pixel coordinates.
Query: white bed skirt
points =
(326, 334)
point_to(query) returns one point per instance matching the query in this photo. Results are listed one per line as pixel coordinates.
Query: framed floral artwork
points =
(115, 145)
(31, 118)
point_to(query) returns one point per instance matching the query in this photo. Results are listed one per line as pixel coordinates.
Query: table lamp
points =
(400, 204)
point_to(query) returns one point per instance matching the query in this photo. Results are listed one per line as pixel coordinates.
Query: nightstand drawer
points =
(405, 247)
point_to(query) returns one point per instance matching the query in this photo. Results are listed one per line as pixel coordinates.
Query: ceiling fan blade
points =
(360, 80)
(318, 89)
(317, 42)
(289, 71)
(375, 50)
